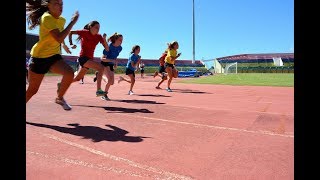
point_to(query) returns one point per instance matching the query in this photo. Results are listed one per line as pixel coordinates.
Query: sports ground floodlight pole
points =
(193, 52)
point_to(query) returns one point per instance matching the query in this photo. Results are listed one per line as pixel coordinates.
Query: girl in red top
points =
(162, 69)
(89, 39)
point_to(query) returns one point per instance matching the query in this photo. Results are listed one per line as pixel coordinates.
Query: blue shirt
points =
(132, 58)
(113, 52)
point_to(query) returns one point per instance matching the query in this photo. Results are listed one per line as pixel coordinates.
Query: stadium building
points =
(258, 63)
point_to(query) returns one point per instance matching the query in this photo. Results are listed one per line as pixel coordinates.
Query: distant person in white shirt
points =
(141, 66)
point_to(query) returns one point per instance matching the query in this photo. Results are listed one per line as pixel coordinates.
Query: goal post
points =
(231, 68)
(277, 61)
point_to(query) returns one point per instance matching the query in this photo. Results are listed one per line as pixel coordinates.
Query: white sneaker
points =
(168, 89)
(130, 93)
(63, 103)
(105, 97)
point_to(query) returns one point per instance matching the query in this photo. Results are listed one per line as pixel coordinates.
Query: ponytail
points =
(170, 45)
(114, 37)
(35, 9)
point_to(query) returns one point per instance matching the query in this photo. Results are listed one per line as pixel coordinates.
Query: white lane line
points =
(86, 164)
(230, 110)
(136, 117)
(164, 174)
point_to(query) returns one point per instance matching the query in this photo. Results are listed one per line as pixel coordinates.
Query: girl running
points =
(161, 70)
(133, 62)
(89, 37)
(170, 62)
(108, 60)
(46, 53)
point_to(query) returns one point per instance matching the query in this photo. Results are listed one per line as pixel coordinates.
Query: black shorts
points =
(169, 65)
(105, 64)
(162, 69)
(129, 71)
(82, 60)
(42, 65)
(142, 70)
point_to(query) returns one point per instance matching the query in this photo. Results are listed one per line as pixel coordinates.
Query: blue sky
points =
(222, 27)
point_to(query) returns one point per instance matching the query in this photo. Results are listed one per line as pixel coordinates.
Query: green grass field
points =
(248, 79)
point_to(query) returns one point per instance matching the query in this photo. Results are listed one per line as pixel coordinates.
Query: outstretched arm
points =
(73, 46)
(60, 36)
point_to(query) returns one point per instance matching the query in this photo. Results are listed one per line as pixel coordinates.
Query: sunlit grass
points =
(249, 79)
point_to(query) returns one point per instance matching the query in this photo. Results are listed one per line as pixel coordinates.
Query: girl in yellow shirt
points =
(46, 53)
(170, 62)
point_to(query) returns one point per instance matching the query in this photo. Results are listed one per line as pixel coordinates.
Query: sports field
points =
(247, 79)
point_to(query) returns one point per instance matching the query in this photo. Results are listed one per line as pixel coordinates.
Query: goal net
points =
(231, 68)
(277, 61)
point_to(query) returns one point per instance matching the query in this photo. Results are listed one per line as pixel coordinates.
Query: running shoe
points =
(105, 97)
(130, 93)
(100, 93)
(63, 103)
(168, 89)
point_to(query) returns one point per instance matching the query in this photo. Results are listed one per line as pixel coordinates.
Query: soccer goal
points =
(277, 61)
(231, 68)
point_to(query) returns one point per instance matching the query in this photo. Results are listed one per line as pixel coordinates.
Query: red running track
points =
(195, 132)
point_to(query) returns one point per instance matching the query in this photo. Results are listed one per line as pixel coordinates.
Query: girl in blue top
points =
(133, 61)
(108, 60)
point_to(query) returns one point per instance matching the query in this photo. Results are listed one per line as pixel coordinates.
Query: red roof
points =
(258, 56)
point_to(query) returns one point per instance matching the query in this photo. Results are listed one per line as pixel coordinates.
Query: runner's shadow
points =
(190, 91)
(153, 95)
(139, 101)
(120, 109)
(96, 134)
